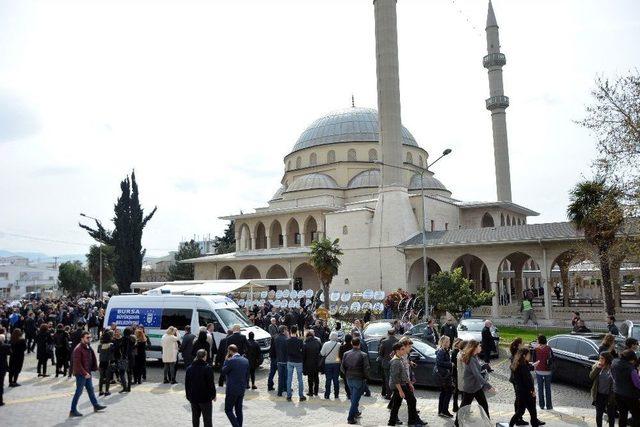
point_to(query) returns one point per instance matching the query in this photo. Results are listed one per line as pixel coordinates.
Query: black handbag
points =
(323, 359)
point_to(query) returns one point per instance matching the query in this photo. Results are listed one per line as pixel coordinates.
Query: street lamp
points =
(98, 221)
(424, 225)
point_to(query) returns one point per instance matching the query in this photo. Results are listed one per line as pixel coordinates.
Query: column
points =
(239, 247)
(268, 242)
(253, 242)
(285, 243)
(303, 239)
(544, 273)
(494, 300)
(566, 285)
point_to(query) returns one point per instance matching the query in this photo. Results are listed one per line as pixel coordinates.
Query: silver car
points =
(471, 329)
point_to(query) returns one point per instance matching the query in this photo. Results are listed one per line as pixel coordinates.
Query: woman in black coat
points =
(61, 341)
(525, 390)
(201, 343)
(16, 359)
(254, 356)
(444, 370)
(44, 341)
(311, 362)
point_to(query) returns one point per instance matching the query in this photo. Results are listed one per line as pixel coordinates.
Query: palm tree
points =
(595, 209)
(325, 259)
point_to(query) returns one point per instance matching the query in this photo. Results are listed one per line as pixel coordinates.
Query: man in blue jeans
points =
(355, 367)
(294, 361)
(84, 362)
(281, 357)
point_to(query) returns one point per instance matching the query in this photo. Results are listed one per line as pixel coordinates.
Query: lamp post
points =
(425, 270)
(95, 219)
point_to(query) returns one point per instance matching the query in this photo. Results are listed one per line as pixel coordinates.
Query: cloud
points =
(17, 120)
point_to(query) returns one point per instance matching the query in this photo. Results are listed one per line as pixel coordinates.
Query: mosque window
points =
(373, 155)
(420, 162)
(409, 158)
(351, 155)
(518, 220)
(298, 162)
(446, 225)
(487, 220)
(297, 239)
(502, 220)
(346, 281)
(331, 156)
(433, 225)
(313, 159)
(508, 220)
(345, 230)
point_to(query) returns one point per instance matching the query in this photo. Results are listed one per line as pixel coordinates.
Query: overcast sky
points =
(205, 98)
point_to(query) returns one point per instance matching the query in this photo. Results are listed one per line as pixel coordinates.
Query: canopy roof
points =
(202, 287)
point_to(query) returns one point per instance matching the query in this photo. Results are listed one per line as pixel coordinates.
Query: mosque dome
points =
(367, 179)
(429, 183)
(353, 124)
(278, 194)
(313, 181)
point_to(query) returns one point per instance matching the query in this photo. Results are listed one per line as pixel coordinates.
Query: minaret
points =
(393, 221)
(497, 103)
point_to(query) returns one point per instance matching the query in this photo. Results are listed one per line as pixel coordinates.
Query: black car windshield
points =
(423, 348)
(233, 316)
(378, 328)
(471, 326)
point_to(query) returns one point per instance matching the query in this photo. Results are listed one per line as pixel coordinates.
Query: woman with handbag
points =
(330, 364)
(443, 370)
(44, 341)
(544, 357)
(602, 390)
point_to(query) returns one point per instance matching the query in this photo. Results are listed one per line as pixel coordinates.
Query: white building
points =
(19, 276)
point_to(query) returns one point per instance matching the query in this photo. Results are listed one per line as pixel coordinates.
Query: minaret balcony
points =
(494, 60)
(499, 101)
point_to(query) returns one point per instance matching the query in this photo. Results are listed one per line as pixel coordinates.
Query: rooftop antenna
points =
(353, 101)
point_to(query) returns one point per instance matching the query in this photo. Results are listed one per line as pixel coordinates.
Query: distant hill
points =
(40, 257)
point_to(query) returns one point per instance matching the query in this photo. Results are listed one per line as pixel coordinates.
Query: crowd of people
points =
(60, 332)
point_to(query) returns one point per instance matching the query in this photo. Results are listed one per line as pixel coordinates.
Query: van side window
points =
(205, 317)
(176, 317)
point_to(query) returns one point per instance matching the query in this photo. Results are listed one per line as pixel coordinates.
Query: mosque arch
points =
(298, 162)
(331, 156)
(293, 233)
(310, 230)
(415, 276)
(261, 236)
(351, 155)
(409, 157)
(508, 220)
(275, 234)
(245, 238)
(250, 272)
(308, 275)
(487, 220)
(277, 272)
(313, 159)
(517, 273)
(373, 155)
(475, 269)
(226, 273)
(502, 219)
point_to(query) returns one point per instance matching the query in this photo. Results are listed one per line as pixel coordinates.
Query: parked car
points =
(419, 331)
(574, 355)
(471, 329)
(423, 355)
(377, 328)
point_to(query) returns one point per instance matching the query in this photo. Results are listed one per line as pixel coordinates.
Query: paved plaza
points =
(45, 402)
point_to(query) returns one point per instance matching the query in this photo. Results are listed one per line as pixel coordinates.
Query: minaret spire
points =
(497, 103)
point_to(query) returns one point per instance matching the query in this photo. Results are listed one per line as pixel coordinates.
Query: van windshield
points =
(233, 316)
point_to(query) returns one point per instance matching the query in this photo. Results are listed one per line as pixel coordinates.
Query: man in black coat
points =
(222, 354)
(488, 344)
(281, 357)
(449, 329)
(30, 331)
(254, 356)
(239, 340)
(310, 361)
(200, 387)
(384, 357)
(186, 347)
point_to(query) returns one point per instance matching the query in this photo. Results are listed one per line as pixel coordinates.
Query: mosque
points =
(358, 175)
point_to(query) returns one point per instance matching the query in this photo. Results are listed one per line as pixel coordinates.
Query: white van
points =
(157, 312)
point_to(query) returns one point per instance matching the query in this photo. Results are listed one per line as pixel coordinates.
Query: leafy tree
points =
(74, 278)
(614, 119)
(595, 209)
(180, 271)
(450, 291)
(227, 242)
(325, 259)
(126, 237)
(108, 262)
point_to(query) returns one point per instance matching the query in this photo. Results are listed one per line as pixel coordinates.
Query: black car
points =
(423, 355)
(574, 355)
(418, 331)
(377, 328)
